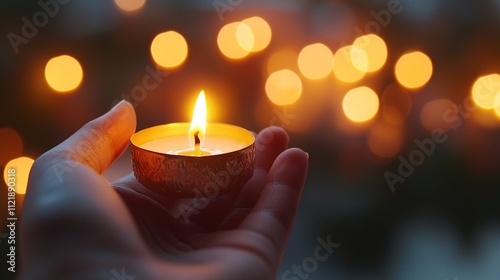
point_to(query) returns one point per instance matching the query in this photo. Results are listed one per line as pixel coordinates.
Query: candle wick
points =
(196, 142)
(196, 138)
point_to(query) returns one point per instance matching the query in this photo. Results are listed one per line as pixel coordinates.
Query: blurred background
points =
(397, 103)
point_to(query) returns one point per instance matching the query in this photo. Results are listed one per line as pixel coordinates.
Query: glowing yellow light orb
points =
(16, 173)
(359, 58)
(261, 33)
(485, 91)
(344, 69)
(130, 5)
(374, 53)
(63, 73)
(497, 104)
(245, 37)
(169, 49)
(283, 87)
(315, 61)
(360, 104)
(413, 70)
(229, 43)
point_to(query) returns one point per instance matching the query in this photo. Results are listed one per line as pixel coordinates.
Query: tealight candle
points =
(188, 158)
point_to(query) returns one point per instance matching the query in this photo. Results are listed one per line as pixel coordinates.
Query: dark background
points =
(442, 222)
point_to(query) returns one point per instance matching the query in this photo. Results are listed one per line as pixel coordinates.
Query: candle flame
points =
(199, 122)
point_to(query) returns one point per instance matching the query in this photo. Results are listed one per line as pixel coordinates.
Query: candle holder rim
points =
(187, 156)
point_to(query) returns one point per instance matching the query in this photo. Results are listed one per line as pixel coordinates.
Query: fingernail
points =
(119, 104)
(307, 154)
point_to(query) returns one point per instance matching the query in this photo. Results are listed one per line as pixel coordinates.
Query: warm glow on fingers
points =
(485, 91)
(283, 87)
(63, 73)
(16, 173)
(413, 70)
(169, 49)
(315, 61)
(130, 5)
(360, 104)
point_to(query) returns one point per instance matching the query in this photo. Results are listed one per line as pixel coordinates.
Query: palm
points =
(122, 231)
(178, 238)
(199, 230)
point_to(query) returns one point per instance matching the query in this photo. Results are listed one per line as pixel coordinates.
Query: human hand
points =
(76, 225)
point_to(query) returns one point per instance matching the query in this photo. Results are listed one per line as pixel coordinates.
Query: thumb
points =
(99, 142)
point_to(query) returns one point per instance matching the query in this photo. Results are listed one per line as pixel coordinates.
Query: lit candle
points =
(182, 158)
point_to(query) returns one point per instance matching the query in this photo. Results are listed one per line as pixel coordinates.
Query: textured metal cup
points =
(189, 176)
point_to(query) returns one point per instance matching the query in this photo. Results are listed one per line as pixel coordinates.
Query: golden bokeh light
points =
(245, 37)
(485, 91)
(315, 61)
(497, 104)
(395, 104)
(359, 58)
(63, 73)
(283, 87)
(385, 140)
(11, 145)
(344, 69)
(283, 59)
(369, 53)
(438, 114)
(261, 33)
(413, 70)
(229, 43)
(169, 49)
(18, 171)
(360, 104)
(130, 5)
